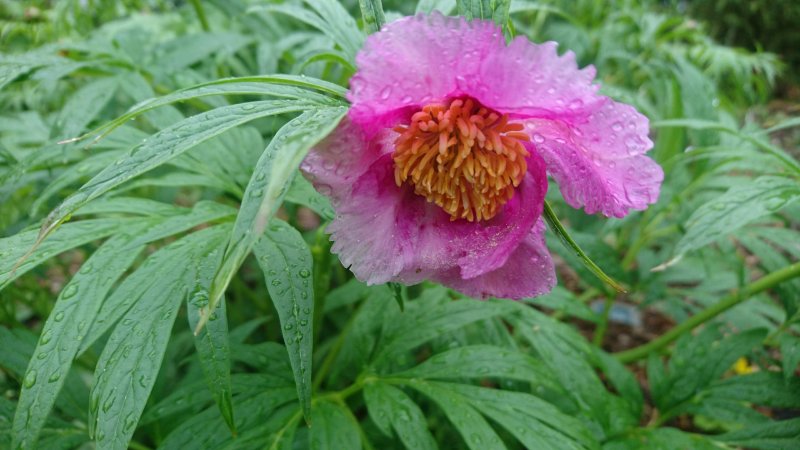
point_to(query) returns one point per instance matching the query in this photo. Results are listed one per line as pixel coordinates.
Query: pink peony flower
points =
(439, 171)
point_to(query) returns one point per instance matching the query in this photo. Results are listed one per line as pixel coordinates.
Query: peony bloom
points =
(440, 170)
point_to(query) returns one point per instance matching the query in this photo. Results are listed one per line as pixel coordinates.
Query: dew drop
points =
(30, 379)
(69, 291)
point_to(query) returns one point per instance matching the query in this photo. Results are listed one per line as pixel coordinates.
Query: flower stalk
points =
(738, 296)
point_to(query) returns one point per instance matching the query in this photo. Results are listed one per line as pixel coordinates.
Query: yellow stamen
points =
(462, 157)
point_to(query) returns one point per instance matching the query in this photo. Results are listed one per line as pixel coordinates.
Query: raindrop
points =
(305, 273)
(54, 377)
(538, 138)
(59, 316)
(69, 291)
(616, 126)
(30, 379)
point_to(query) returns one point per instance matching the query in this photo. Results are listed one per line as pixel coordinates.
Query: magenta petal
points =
(528, 272)
(599, 162)
(532, 80)
(341, 158)
(417, 60)
(386, 233)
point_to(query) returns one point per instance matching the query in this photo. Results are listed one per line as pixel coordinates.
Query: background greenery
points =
(114, 250)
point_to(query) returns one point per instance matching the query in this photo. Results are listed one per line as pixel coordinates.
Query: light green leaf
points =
(390, 408)
(303, 193)
(329, 17)
(735, 208)
(163, 146)
(72, 235)
(334, 428)
(372, 13)
(212, 344)
(74, 311)
(443, 6)
(129, 364)
(286, 262)
(496, 10)
(118, 303)
(84, 106)
(268, 186)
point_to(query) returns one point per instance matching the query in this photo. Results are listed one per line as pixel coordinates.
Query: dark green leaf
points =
(390, 408)
(334, 428)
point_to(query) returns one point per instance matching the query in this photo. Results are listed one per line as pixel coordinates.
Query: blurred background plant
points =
(701, 352)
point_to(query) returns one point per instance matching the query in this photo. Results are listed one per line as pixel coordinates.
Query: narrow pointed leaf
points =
(286, 262)
(75, 309)
(268, 186)
(129, 364)
(162, 147)
(212, 344)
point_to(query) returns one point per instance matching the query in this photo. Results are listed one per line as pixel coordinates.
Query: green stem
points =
(201, 14)
(326, 365)
(762, 284)
(600, 331)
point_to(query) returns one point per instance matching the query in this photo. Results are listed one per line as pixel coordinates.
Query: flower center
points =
(461, 156)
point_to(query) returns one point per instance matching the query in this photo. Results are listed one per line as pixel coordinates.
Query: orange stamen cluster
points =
(461, 156)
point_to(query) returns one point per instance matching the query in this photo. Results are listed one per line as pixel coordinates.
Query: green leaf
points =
(84, 106)
(303, 193)
(474, 429)
(286, 261)
(698, 361)
(211, 343)
(558, 229)
(412, 329)
(268, 186)
(660, 439)
(481, 361)
(329, 17)
(207, 429)
(334, 428)
(390, 408)
(735, 208)
(74, 311)
(496, 10)
(14, 248)
(129, 364)
(443, 6)
(293, 87)
(163, 146)
(118, 303)
(534, 422)
(372, 13)
(779, 435)
(760, 388)
(790, 355)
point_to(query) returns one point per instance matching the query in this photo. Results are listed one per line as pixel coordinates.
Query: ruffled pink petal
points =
(528, 272)
(532, 80)
(334, 165)
(417, 60)
(599, 161)
(388, 233)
